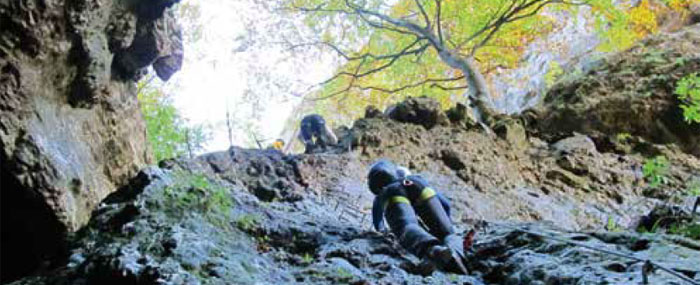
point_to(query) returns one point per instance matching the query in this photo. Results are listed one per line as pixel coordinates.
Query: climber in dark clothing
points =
(400, 198)
(315, 133)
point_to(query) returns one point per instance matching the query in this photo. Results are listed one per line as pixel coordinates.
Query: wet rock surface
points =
(71, 130)
(517, 257)
(196, 222)
(256, 216)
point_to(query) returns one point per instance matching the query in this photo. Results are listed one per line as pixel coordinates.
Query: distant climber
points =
(278, 144)
(315, 134)
(401, 196)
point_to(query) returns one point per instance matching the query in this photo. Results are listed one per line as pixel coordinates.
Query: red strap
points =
(469, 239)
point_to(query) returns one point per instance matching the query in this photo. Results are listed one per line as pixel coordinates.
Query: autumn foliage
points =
(423, 72)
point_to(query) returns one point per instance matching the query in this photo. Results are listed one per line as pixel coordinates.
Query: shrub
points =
(694, 188)
(688, 92)
(167, 132)
(247, 222)
(655, 170)
(194, 192)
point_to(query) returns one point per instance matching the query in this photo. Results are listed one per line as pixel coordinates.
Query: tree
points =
(407, 40)
(441, 48)
(168, 134)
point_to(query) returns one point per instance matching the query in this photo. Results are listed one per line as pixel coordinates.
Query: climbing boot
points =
(446, 259)
(455, 243)
(439, 254)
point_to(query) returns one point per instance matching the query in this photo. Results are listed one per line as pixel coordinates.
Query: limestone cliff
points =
(628, 93)
(71, 130)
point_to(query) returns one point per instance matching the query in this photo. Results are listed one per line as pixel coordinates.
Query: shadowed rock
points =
(72, 131)
(421, 111)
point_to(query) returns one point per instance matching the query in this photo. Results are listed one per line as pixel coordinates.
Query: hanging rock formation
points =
(71, 130)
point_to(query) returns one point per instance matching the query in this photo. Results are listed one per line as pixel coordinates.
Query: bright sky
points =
(216, 74)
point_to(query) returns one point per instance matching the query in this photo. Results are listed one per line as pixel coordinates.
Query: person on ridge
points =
(278, 144)
(314, 133)
(399, 197)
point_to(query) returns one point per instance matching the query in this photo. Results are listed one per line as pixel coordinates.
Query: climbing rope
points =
(648, 264)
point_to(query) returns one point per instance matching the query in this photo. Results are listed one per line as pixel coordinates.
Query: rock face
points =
(201, 222)
(630, 93)
(256, 216)
(572, 182)
(70, 126)
(572, 46)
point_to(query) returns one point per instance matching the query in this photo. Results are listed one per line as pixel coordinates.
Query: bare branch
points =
(512, 16)
(318, 8)
(384, 27)
(438, 22)
(414, 85)
(348, 57)
(373, 24)
(507, 18)
(445, 88)
(350, 85)
(398, 89)
(425, 15)
(396, 22)
(393, 58)
(491, 23)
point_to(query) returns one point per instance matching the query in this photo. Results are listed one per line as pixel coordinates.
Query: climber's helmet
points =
(382, 173)
(402, 172)
(278, 144)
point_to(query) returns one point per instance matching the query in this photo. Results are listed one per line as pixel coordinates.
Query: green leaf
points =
(167, 133)
(688, 92)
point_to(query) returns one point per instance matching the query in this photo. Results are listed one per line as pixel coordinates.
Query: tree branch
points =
(393, 58)
(384, 27)
(414, 85)
(318, 8)
(445, 88)
(512, 16)
(491, 23)
(425, 15)
(396, 22)
(438, 23)
(348, 57)
(350, 85)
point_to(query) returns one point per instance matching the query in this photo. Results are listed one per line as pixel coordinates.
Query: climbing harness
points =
(648, 267)
(398, 199)
(426, 194)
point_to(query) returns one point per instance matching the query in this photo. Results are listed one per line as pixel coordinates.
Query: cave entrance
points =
(32, 238)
